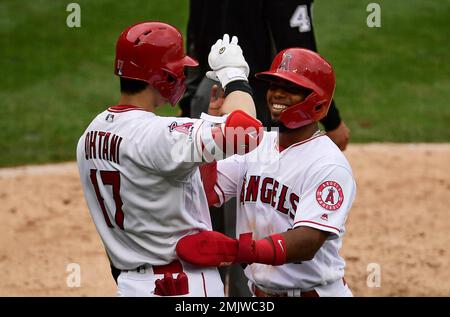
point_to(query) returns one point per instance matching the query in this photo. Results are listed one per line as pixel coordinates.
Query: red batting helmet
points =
(153, 52)
(307, 69)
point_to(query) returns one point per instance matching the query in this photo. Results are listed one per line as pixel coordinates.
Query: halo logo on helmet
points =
(285, 63)
(153, 52)
(306, 69)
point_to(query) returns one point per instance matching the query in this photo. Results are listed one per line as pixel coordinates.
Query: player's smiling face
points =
(283, 94)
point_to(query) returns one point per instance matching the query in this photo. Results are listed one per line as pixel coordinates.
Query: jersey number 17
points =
(109, 178)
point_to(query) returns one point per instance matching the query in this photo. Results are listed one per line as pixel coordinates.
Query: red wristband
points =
(270, 250)
(264, 251)
(280, 249)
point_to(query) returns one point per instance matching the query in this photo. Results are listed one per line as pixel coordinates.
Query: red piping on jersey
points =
(201, 140)
(204, 284)
(316, 223)
(123, 108)
(208, 174)
(221, 191)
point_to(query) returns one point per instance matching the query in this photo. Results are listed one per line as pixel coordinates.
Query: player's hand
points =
(216, 101)
(227, 61)
(340, 136)
(168, 286)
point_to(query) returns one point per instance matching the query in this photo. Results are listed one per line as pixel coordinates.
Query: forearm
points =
(211, 248)
(302, 243)
(239, 100)
(296, 245)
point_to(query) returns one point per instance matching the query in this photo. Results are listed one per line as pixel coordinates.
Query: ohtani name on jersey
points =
(102, 145)
(270, 192)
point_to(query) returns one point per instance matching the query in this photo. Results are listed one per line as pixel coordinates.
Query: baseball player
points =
(140, 172)
(264, 28)
(294, 192)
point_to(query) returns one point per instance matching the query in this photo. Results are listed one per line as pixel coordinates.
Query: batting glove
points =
(168, 286)
(227, 61)
(212, 248)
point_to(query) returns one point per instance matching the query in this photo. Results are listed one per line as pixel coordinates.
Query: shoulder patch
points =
(330, 195)
(181, 127)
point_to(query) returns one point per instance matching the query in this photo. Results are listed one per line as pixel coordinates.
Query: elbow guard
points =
(240, 134)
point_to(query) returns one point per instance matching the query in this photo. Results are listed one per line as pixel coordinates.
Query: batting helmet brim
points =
(189, 61)
(296, 79)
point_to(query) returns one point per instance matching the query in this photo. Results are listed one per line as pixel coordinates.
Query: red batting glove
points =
(211, 248)
(207, 248)
(168, 286)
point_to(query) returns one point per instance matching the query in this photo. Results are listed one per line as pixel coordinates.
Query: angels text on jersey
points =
(270, 192)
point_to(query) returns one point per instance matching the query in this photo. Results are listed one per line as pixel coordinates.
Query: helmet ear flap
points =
(312, 108)
(318, 108)
(169, 77)
(170, 86)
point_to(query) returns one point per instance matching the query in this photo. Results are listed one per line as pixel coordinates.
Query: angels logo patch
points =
(183, 128)
(329, 195)
(285, 64)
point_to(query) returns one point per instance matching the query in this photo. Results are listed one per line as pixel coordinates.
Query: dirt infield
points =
(399, 221)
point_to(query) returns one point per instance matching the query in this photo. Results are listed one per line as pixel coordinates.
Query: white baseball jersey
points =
(308, 184)
(141, 183)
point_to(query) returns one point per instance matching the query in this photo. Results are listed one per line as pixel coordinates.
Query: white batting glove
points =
(227, 61)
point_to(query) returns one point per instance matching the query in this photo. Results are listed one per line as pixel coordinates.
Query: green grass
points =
(54, 78)
(393, 81)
